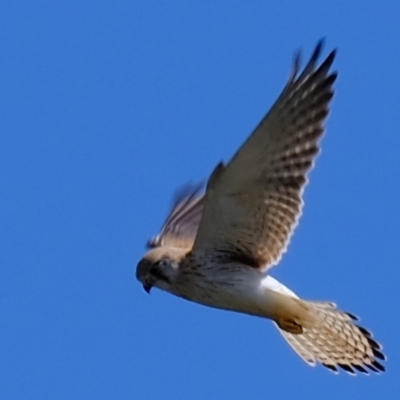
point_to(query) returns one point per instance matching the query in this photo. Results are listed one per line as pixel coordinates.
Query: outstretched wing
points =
(180, 227)
(252, 204)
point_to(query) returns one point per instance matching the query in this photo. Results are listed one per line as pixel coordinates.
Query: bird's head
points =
(159, 268)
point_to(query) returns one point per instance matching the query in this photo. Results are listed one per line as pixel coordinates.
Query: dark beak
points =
(147, 287)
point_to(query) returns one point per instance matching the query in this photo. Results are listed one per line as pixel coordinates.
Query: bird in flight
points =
(217, 248)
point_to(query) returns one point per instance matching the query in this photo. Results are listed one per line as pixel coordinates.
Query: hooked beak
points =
(147, 287)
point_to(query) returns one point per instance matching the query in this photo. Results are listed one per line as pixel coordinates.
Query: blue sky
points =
(106, 109)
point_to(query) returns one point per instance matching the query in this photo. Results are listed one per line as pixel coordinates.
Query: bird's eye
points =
(163, 263)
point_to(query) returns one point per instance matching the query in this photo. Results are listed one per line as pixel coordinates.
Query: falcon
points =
(217, 248)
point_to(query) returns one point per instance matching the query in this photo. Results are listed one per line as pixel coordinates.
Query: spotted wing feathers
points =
(253, 203)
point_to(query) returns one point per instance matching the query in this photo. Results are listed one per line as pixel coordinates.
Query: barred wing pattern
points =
(180, 227)
(252, 204)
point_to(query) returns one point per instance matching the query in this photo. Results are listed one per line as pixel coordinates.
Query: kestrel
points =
(217, 249)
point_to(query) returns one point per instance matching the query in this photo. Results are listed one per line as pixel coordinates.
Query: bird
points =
(218, 244)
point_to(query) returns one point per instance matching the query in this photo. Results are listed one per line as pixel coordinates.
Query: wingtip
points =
(296, 65)
(311, 65)
(318, 49)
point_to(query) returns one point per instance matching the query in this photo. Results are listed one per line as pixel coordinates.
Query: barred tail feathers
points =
(334, 340)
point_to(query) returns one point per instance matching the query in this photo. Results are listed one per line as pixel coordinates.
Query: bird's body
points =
(216, 249)
(233, 287)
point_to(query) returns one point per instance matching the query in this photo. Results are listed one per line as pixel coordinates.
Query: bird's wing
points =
(180, 227)
(253, 203)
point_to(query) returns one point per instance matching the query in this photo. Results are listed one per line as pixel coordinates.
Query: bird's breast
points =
(228, 287)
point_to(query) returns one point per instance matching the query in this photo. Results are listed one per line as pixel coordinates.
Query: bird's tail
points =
(332, 338)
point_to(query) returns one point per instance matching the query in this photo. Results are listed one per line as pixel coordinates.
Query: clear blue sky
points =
(106, 109)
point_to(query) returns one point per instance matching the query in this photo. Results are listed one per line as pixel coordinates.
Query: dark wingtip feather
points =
(364, 331)
(331, 367)
(313, 60)
(318, 49)
(379, 366)
(372, 368)
(310, 68)
(296, 66)
(378, 354)
(352, 316)
(375, 345)
(316, 53)
(347, 368)
(330, 80)
(360, 369)
(325, 67)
